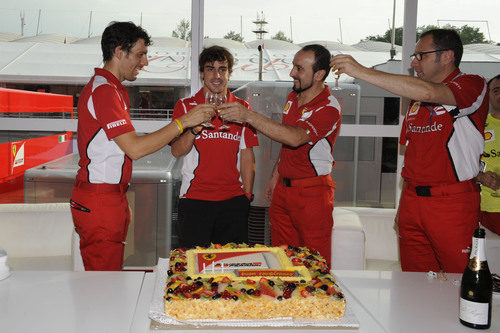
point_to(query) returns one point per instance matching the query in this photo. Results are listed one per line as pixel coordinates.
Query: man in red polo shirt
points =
(443, 135)
(107, 143)
(219, 164)
(301, 190)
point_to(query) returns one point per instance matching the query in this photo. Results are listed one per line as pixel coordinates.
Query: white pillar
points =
(197, 25)
(409, 41)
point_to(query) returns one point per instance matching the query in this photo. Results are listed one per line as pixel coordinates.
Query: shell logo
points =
(489, 136)
(414, 109)
(287, 107)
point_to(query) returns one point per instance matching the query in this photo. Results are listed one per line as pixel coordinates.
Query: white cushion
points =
(381, 238)
(37, 236)
(348, 241)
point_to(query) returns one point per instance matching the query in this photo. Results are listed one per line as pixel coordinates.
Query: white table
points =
(382, 301)
(410, 302)
(66, 301)
(141, 322)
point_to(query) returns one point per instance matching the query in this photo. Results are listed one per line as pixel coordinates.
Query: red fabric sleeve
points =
(111, 111)
(319, 122)
(469, 91)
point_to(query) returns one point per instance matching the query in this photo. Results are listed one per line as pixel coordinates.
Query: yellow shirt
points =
(491, 157)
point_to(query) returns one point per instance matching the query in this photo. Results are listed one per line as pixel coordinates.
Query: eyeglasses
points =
(418, 55)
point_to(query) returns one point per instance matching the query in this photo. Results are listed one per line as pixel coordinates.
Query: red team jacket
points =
(321, 118)
(444, 143)
(103, 113)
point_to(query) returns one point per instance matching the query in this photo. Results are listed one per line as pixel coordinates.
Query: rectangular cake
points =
(236, 281)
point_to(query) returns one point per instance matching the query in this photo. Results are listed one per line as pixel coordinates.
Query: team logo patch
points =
(287, 107)
(414, 109)
(116, 123)
(489, 135)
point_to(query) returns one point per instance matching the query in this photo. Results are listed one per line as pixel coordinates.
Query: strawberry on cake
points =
(237, 281)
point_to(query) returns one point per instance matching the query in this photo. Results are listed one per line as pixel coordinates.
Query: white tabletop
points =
(66, 301)
(410, 302)
(382, 302)
(142, 324)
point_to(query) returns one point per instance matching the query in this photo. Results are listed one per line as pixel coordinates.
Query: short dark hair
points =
(492, 79)
(123, 34)
(321, 58)
(446, 39)
(215, 53)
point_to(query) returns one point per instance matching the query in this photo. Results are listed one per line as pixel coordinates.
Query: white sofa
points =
(364, 238)
(380, 249)
(39, 237)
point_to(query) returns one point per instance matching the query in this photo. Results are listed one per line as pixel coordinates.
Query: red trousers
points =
(491, 220)
(435, 232)
(301, 214)
(101, 217)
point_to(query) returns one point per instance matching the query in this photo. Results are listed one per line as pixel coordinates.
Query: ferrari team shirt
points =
(321, 118)
(211, 170)
(103, 114)
(444, 142)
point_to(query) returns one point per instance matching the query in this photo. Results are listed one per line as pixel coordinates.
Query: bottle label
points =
(476, 265)
(473, 312)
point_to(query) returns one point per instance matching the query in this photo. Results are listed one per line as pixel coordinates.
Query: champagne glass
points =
(337, 77)
(336, 87)
(219, 101)
(208, 99)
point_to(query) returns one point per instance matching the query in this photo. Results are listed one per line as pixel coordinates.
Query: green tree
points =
(280, 35)
(183, 30)
(388, 36)
(234, 36)
(468, 34)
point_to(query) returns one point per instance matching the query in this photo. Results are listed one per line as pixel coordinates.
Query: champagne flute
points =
(219, 101)
(336, 87)
(337, 77)
(208, 99)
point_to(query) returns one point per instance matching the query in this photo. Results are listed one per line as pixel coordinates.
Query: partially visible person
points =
(490, 177)
(301, 189)
(219, 164)
(107, 144)
(443, 136)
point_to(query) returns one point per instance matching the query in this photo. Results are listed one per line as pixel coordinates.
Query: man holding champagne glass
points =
(219, 164)
(442, 139)
(301, 189)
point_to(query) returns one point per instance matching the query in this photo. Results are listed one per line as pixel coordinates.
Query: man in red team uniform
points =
(219, 164)
(301, 190)
(107, 143)
(443, 134)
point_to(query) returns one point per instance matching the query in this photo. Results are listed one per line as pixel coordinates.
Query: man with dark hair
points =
(443, 136)
(489, 177)
(107, 143)
(301, 189)
(219, 164)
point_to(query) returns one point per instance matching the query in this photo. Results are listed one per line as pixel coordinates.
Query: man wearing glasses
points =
(443, 136)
